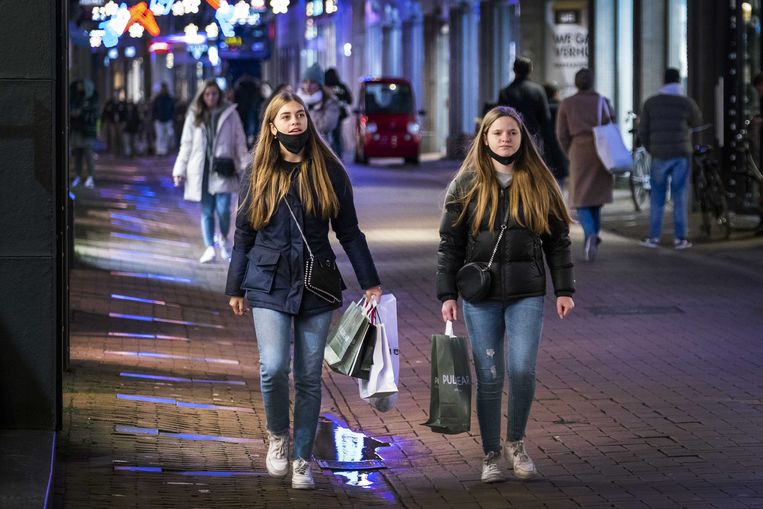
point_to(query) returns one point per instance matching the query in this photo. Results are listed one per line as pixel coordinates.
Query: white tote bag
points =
(610, 147)
(380, 390)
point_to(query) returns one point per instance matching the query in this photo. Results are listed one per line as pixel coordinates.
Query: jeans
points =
(83, 154)
(164, 136)
(211, 203)
(590, 220)
(273, 342)
(677, 169)
(487, 323)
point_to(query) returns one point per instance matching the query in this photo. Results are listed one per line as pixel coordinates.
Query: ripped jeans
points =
(488, 323)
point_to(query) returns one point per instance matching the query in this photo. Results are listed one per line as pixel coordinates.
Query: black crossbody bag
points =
(474, 279)
(322, 279)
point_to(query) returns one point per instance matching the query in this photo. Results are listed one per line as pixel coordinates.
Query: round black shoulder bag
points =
(474, 279)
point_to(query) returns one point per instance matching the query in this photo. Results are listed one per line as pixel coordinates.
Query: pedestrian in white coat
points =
(211, 165)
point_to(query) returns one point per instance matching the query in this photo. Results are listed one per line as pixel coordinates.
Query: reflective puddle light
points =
(181, 379)
(130, 227)
(138, 299)
(155, 302)
(143, 238)
(188, 473)
(133, 335)
(136, 430)
(154, 355)
(183, 404)
(137, 469)
(145, 318)
(144, 275)
(349, 453)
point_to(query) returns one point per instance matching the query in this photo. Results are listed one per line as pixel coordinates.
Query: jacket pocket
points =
(261, 269)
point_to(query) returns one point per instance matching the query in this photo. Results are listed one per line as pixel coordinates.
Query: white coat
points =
(230, 141)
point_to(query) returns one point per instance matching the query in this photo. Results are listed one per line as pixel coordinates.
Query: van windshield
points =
(388, 98)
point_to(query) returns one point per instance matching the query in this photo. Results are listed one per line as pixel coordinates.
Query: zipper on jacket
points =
(503, 262)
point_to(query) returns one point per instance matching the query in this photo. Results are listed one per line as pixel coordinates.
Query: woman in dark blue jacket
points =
(295, 190)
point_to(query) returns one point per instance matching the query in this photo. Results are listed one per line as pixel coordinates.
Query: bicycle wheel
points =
(711, 195)
(720, 206)
(639, 179)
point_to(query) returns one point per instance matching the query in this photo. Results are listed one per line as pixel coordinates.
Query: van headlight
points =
(413, 128)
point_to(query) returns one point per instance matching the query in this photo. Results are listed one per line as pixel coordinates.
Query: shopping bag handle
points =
(370, 308)
(449, 329)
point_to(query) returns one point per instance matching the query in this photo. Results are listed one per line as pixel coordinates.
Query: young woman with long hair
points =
(504, 181)
(212, 131)
(296, 189)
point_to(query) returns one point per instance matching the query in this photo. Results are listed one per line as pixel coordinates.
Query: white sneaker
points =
(208, 256)
(517, 457)
(224, 250)
(90, 183)
(277, 460)
(77, 181)
(301, 476)
(491, 472)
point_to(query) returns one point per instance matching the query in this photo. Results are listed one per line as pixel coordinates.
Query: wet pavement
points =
(649, 395)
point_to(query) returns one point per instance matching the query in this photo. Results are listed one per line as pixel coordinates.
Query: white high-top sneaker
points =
(301, 475)
(491, 472)
(277, 460)
(224, 249)
(208, 255)
(517, 457)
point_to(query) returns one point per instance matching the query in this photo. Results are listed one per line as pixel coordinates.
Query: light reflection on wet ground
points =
(348, 453)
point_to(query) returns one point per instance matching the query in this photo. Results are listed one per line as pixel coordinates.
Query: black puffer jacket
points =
(518, 269)
(267, 265)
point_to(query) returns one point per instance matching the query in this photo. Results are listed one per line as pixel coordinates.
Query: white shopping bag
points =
(381, 388)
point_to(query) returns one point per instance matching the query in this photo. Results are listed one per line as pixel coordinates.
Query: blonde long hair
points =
(533, 186)
(269, 184)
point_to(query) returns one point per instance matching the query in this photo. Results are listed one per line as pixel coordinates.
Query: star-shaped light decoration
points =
(279, 6)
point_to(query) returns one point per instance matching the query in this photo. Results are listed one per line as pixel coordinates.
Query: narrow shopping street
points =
(649, 395)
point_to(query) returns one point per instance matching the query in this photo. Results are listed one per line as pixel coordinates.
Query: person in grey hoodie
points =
(664, 128)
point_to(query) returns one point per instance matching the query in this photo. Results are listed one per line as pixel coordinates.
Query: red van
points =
(387, 123)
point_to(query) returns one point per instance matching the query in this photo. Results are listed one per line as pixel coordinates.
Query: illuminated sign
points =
(141, 14)
(115, 19)
(159, 47)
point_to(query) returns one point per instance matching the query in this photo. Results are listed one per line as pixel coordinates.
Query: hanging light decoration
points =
(279, 6)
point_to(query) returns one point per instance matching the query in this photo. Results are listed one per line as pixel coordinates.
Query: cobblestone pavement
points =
(649, 395)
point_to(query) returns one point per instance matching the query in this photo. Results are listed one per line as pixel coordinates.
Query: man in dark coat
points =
(163, 114)
(664, 129)
(529, 99)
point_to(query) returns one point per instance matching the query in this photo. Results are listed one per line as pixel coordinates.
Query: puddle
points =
(348, 453)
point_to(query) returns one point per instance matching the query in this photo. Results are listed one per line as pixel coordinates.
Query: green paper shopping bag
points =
(450, 403)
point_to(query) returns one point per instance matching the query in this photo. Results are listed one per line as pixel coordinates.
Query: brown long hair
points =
(201, 111)
(269, 183)
(533, 186)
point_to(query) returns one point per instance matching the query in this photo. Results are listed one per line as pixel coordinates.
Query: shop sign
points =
(566, 43)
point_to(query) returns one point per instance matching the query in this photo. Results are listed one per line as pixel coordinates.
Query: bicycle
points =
(710, 194)
(744, 182)
(639, 177)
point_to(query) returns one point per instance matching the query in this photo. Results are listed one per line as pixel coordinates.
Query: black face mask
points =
(503, 159)
(294, 143)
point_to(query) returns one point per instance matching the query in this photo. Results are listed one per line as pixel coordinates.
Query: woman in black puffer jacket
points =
(503, 180)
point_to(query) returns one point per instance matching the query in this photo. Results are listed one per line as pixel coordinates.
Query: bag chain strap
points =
(309, 251)
(498, 242)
